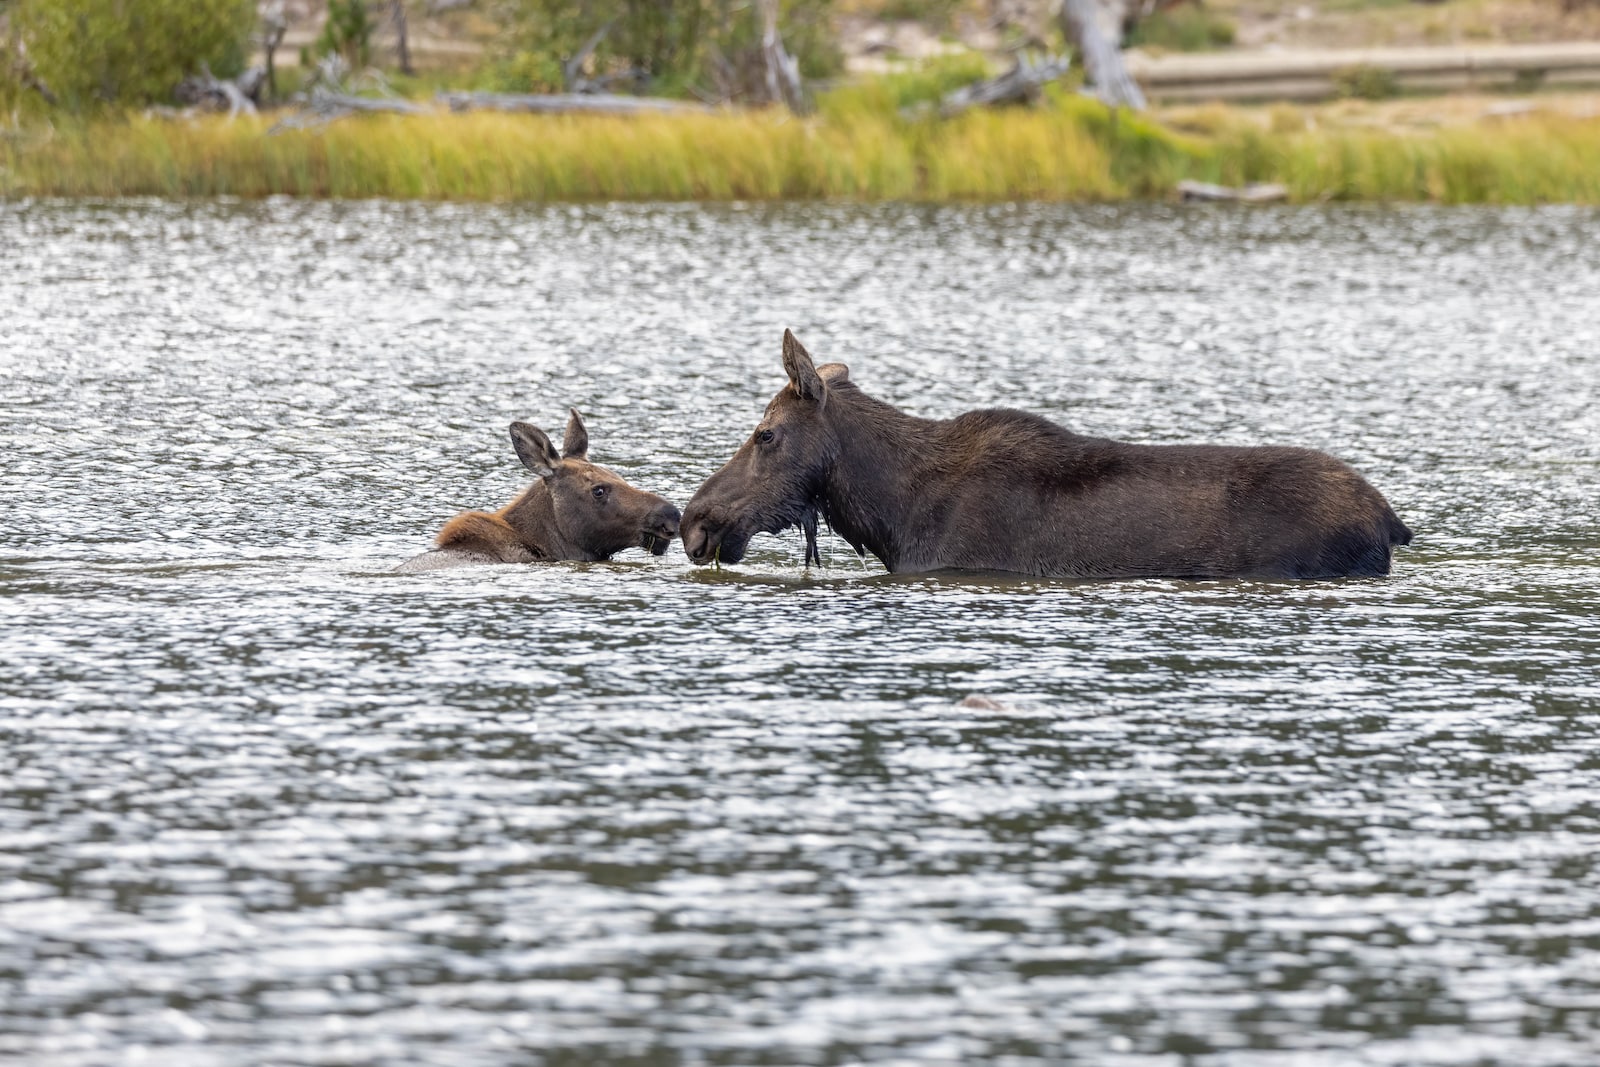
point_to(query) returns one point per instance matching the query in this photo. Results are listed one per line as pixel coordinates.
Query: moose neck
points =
(533, 516)
(878, 463)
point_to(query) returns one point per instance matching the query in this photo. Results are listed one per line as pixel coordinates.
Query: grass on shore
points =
(857, 147)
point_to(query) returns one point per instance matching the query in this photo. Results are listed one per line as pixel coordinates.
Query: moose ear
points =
(834, 373)
(575, 445)
(534, 449)
(802, 375)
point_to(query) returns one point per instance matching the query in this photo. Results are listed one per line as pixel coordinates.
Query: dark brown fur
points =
(573, 510)
(1003, 490)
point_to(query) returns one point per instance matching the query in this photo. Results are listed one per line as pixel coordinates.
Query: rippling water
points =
(263, 802)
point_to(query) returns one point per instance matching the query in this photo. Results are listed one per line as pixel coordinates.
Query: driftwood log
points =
(570, 103)
(1020, 85)
(1254, 193)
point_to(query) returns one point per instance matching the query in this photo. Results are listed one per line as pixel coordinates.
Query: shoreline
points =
(1492, 149)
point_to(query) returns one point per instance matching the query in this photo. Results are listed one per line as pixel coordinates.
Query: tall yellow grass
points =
(1548, 160)
(855, 148)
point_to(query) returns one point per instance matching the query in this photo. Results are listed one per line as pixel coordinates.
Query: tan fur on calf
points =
(491, 535)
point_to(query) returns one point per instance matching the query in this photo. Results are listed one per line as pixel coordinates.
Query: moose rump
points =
(1003, 490)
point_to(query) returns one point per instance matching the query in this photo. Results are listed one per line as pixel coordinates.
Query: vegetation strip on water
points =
(862, 144)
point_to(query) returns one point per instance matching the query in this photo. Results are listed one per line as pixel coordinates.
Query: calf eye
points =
(765, 437)
(599, 492)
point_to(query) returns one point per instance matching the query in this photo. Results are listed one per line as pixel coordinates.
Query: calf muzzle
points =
(659, 529)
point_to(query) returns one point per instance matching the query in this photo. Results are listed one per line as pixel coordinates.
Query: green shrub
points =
(93, 52)
(1190, 28)
(522, 72)
(805, 25)
(912, 90)
(1146, 157)
(669, 45)
(939, 14)
(348, 32)
(1364, 82)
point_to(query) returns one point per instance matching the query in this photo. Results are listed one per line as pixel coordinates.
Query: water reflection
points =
(266, 802)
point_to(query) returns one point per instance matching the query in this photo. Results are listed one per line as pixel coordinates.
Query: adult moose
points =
(1004, 490)
(574, 510)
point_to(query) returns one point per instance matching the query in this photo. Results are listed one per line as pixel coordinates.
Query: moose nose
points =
(666, 518)
(697, 541)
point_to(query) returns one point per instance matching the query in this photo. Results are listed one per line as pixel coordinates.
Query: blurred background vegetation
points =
(664, 46)
(85, 89)
(86, 55)
(91, 54)
(95, 52)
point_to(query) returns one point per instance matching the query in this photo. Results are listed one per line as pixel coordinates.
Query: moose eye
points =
(599, 492)
(765, 437)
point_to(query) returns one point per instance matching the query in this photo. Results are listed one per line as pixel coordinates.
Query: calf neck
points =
(1002, 490)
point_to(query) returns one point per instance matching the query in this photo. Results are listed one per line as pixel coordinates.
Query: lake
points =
(262, 801)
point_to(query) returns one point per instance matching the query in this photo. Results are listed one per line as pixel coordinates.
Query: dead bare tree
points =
(397, 15)
(782, 69)
(762, 72)
(274, 26)
(1083, 22)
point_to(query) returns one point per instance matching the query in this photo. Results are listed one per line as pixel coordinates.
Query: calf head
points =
(777, 477)
(585, 511)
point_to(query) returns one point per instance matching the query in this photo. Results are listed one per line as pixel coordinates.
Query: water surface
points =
(263, 802)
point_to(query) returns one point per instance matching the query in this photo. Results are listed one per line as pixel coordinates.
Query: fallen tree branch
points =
(571, 69)
(328, 100)
(36, 83)
(569, 103)
(1020, 85)
(327, 105)
(210, 93)
(22, 70)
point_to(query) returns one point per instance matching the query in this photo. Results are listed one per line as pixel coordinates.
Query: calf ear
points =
(575, 444)
(803, 375)
(833, 373)
(534, 449)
